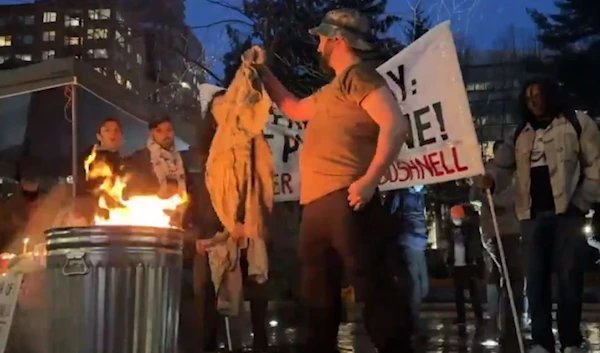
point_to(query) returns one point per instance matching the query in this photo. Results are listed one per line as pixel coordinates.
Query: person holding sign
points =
(355, 130)
(555, 154)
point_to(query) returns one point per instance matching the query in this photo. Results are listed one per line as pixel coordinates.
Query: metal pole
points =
(74, 142)
(509, 289)
(228, 334)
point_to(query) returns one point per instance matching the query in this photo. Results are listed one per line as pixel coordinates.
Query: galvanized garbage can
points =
(113, 289)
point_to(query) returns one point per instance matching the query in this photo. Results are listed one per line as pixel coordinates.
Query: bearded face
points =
(326, 46)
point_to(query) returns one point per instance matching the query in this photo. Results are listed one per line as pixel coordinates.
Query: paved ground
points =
(442, 334)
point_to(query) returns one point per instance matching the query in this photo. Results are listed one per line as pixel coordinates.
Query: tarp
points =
(61, 72)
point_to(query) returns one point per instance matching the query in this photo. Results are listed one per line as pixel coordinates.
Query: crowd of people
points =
(544, 181)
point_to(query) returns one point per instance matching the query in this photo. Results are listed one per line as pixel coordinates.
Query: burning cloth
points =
(239, 169)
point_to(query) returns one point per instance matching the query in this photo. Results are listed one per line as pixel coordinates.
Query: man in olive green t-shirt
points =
(355, 131)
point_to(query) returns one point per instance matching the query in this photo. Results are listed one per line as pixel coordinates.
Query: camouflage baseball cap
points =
(349, 24)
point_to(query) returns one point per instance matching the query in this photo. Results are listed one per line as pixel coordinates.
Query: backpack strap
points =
(574, 121)
(518, 131)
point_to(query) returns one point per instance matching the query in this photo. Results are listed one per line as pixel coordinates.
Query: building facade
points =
(494, 81)
(110, 35)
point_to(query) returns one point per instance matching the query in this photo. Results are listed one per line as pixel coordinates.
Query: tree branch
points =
(227, 6)
(223, 22)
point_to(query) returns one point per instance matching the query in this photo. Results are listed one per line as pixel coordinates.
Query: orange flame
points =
(151, 211)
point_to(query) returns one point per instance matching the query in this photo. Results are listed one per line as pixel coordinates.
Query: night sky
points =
(480, 22)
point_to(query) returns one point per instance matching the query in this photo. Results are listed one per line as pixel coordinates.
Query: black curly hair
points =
(554, 98)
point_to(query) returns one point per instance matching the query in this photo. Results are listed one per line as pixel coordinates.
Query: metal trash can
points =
(113, 289)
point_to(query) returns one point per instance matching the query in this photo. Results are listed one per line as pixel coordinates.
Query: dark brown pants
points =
(334, 239)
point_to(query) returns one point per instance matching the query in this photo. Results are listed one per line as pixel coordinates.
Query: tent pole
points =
(74, 142)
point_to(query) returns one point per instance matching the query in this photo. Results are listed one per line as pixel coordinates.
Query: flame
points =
(113, 209)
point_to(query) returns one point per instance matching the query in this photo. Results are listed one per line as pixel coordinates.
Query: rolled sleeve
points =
(359, 81)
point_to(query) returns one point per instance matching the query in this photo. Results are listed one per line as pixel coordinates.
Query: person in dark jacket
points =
(465, 258)
(105, 151)
(157, 169)
(109, 140)
(408, 208)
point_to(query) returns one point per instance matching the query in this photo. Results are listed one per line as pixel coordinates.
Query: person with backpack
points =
(408, 208)
(555, 154)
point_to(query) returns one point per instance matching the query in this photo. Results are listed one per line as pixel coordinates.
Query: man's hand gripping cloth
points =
(239, 169)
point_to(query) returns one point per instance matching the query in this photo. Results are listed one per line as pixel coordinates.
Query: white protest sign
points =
(9, 292)
(427, 81)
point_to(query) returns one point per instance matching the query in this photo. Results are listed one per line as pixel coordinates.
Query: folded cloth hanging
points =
(239, 169)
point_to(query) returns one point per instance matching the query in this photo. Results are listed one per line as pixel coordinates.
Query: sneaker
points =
(538, 349)
(575, 350)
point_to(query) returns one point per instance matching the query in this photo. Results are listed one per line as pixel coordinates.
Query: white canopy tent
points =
(80, 81)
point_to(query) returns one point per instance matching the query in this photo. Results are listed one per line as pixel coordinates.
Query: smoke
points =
(29, 329)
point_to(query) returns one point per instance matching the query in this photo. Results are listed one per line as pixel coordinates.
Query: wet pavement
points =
(442, 334)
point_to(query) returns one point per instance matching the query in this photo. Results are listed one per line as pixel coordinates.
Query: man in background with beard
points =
(355, 130)
(157, 169)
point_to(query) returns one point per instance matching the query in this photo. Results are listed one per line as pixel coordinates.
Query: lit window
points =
(49, 36)
(48, 54)
(27, 39)
(98, 53)
(97, 33)
(129, 48)
(118, 78)
(24, 57)
(128, 85)
(27, 20)
(72, 21)
(72, 41)
(99, 14)
(3, 59)
(5, 41)
(49, 17)
(139, 59)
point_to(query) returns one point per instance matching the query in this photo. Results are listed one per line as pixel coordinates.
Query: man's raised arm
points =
(292, 107)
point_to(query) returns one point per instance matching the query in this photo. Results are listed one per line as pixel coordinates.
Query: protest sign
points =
(427, 82)
(9, 292)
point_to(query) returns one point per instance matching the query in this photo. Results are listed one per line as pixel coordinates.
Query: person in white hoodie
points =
(504, 193)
